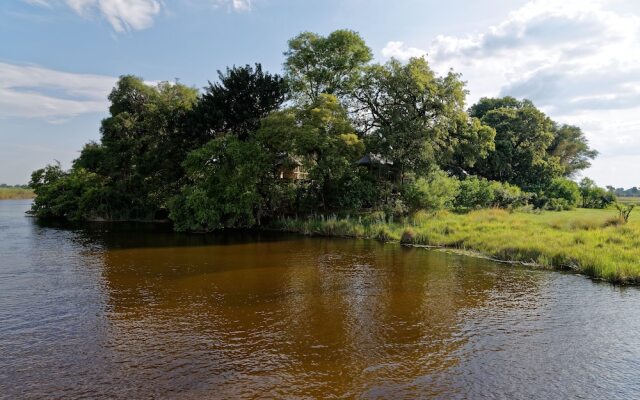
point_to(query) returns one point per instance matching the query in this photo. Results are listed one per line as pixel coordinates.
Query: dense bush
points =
(224, 191)
(561, 194)
(476, 193)
(435, 191)
(594, 196)
(73, 195)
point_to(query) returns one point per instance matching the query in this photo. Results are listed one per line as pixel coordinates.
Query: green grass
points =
(629, 200)
(591, 242)
(15, 193)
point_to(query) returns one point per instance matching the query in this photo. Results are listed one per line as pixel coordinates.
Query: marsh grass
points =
(11, 193)
(629, 200)
(591, 242)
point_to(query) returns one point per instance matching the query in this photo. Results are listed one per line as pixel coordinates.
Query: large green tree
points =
(237, 102)
(320, 137)
(223, 192)
(417, 119)
(143, 143)
(571, 147)
(523, 135)
(332, 65)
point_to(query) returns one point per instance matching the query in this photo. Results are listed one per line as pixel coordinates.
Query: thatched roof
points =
(373, 159)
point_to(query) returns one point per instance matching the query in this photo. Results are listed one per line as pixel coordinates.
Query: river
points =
(136, 311)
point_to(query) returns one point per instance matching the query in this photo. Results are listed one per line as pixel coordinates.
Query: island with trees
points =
(341, 145)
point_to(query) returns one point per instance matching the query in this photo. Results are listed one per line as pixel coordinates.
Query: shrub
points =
(624, 211)
(74, 195)
(594, 196)
(476, 193)
(508, 196)
(561, 194)
(435, 191)
(395, 208)
(354, 191)
(555, 204)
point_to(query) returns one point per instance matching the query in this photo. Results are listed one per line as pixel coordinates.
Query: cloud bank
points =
(28, 91)
(122, 15)
(129, 15)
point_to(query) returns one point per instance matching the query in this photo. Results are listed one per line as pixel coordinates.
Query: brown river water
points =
(138, 312)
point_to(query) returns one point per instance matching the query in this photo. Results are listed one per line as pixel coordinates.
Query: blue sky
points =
(577, 60)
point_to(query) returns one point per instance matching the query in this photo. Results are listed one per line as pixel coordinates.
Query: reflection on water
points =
(130, 311)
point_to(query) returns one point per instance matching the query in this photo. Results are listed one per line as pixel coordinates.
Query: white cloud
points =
(235, 5)
(577, 59)
(29, 91)
(123, 15)
(400, 51)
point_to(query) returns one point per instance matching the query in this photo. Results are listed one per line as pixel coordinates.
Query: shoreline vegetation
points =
(586, 241)
(394, 144)
(16, 193)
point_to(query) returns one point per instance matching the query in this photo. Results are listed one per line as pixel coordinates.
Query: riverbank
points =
(590, 242)
(15, 193)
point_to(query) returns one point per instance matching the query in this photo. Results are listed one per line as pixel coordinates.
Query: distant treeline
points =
(337, 133)
(5, 186)
(622, 192)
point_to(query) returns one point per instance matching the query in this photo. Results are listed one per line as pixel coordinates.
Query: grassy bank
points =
(11, 193)
(629, 200)
(591, 242)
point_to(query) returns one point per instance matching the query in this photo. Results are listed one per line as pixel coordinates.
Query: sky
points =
(577, 60)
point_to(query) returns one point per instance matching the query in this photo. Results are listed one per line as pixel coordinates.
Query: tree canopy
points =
(331, 65)
(337, 133)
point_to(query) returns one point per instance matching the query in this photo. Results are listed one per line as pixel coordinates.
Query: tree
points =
(523, 134)
(320, 137)
(74, 195)
(223, 191)
(417, 119)
(571, 147)
(330, 65)
(594, 196)
(144, 141)
(237, 103)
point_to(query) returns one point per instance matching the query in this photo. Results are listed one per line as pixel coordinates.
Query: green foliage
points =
(561, 194)
(571, 148)
(354, 191)
(435, 191)
(624, 211)
(238, 101)
(508, 196)
(417, 119)
(329, 65)
(255, 147)
(476, 193)
(523, 134)
(144, 141)
(622, 192)
(320, 138)
(224, 192)
(594, 196)
(73, 195)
